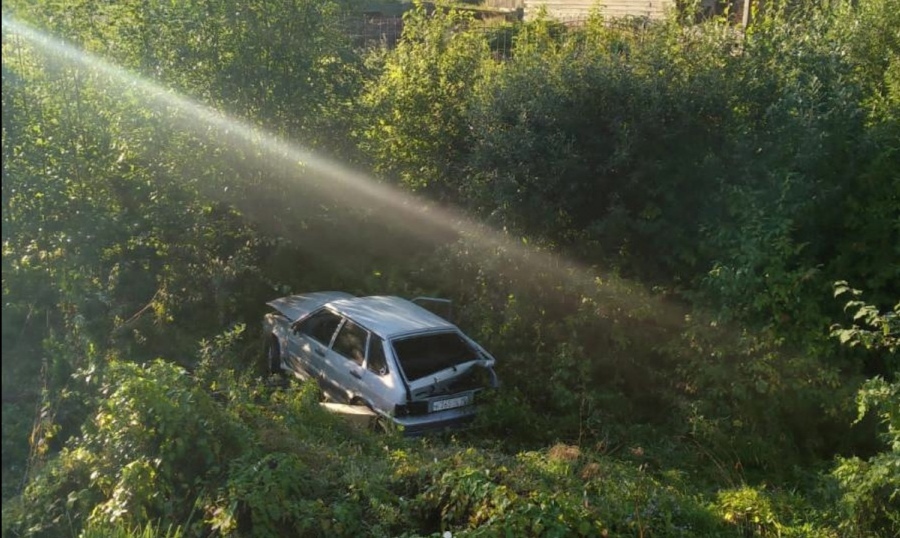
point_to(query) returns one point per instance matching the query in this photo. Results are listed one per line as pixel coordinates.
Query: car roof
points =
(389, 316)
(297, 306)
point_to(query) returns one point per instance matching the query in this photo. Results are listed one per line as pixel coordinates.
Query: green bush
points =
(141, 458)
(871, 488)
(414, 117)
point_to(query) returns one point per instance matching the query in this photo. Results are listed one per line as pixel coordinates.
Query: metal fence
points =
(385, 32)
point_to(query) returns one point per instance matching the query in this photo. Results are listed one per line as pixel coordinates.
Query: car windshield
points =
(420, 356)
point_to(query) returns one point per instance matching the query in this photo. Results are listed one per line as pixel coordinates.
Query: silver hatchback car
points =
(407, 364)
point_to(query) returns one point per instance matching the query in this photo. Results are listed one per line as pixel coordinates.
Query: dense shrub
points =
(414, 112)
(870, 489)
(141, 457)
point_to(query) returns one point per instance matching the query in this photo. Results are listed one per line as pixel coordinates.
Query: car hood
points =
(295, 307)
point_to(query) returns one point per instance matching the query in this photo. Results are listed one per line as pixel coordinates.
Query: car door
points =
(312, 336)
(384, 392)
(345, 362)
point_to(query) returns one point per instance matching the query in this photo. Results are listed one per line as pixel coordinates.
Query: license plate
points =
(451, 403)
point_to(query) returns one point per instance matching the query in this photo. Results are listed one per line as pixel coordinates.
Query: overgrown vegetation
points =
(684, 213)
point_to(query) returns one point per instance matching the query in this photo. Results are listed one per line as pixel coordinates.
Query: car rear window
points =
(422, 355)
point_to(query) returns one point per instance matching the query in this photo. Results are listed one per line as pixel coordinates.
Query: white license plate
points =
(451, 403)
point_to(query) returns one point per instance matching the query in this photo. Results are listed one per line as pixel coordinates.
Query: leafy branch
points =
(871, 328)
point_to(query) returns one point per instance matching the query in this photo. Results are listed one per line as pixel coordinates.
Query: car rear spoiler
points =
(445, 310)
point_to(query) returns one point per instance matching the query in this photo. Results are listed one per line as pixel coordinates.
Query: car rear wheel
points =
(381, 425)
(273, 356)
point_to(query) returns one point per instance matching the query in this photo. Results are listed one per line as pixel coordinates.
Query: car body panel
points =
(359, 364)
(389, 316)
(442, 376)
(295, 307)
(437, 421)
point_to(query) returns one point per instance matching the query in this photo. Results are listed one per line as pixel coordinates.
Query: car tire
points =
(273, 356)
(382, 425)
(378, 424)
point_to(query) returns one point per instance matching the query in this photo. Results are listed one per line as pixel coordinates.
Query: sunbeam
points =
(419, 217)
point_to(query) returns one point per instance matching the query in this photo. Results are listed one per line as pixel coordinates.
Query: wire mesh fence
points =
(502, 34)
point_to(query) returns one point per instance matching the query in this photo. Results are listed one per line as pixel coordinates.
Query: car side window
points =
(377, 363)
(320, 326)
(351, 342)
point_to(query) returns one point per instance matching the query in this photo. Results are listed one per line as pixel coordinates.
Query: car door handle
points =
(356, 374)
(320, 352)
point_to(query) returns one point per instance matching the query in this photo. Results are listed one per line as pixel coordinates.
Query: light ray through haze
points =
(345, 183)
